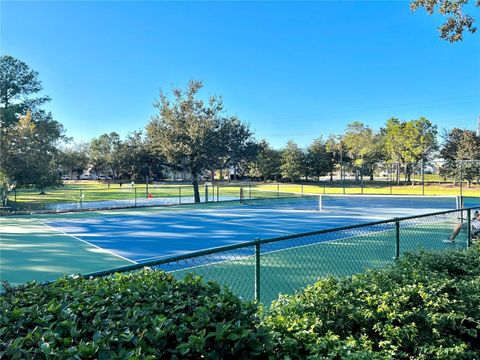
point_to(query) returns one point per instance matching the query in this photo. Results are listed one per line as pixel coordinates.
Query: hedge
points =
(143, 315)
(427, 306)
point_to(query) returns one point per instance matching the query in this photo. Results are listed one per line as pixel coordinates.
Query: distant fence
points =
(263, 268)
(114, 197)
(23, 201)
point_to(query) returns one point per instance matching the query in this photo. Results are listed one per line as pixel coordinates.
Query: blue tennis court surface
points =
(45, 247)
(141, 235)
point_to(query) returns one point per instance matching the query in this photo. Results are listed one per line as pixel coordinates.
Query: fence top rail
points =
(220, 249)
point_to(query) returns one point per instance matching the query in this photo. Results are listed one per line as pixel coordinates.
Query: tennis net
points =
(332, 202)
(280, 199)
(326, 202)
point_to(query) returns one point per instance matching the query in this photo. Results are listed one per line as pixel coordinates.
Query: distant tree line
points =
(198, 137)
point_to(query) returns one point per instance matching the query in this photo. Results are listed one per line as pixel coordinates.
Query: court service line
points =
(86, 242)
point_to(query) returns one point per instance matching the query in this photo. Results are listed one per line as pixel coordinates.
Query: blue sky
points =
(292, 70)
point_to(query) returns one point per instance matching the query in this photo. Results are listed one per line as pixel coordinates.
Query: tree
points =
(29, 152)
(460, 150)
(134, 159)
(337, 154)
(267, 162)
(318, 159)
(235, 145)
(98, 153)
(421, 139)
(28, 134)
(457, 22)
(407, 142)
(73, 159)
(17, 83)
(104, 153)
(187, 133)
(365, 148)
(293, 161)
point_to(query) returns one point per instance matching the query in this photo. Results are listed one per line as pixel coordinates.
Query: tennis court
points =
(44, 247)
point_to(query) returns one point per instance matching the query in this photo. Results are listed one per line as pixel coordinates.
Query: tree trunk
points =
(196, 193)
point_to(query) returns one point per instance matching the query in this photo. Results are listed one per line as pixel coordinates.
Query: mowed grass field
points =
(94, 191)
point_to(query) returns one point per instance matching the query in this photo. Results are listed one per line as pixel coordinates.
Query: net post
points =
(206, 193)
(302, 190)
(135, 196)
(397, 239)
(250, 191)
(278, 190)
(218, 190)
(179, 194)
(241, 195)
(469, 228)
(81, 200)
(15, 198)
(257, 270)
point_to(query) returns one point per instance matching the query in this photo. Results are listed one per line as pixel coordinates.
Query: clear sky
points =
(292, 70)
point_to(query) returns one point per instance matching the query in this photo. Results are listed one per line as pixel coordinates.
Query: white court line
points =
(86, 242)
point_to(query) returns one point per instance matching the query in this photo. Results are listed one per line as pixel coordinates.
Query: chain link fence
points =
(114, 197)
(435, 177)
(264, 268)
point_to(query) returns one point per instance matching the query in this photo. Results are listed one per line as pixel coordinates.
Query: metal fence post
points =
(179, 194)
(361, 178)
(241, 195)
(146, 187)
(302, 190)
(206, 193)
(391, 179)
(81, 200)
(250, 191)
(469, 228)
(278, 190)
(423, 177)
(397, 239)
(15, 198)
(135, 195)
(257, 270)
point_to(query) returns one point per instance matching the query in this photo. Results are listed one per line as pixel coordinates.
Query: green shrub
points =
(427, 306)
(145, 315)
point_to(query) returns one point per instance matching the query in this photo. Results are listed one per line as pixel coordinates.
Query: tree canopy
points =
(29, 134)
(457, 21)
(195, 136)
